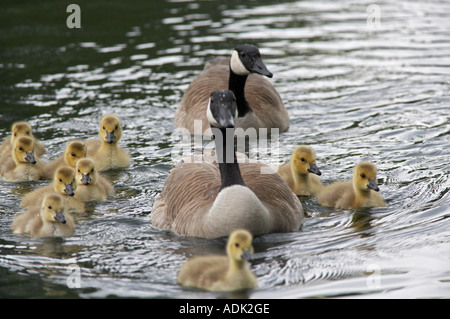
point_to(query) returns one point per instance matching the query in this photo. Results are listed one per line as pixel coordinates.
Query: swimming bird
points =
(302, 173)
(359, 193)
(48, 220)
(210, 200)
(19, 129)
(72, 153)
(64, 183)
(259, 104)
(222, 273)
(23, 166)
(106, 152)
(91, 186)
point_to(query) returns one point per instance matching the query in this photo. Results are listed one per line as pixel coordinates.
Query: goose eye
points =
(243, 54)
(236, 244)
(363, 175)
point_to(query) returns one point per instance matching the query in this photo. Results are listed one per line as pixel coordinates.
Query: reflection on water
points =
(355, 89)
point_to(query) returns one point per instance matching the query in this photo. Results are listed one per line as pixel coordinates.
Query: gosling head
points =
(52, 209)
(304, 161)
(23, 150)
(86, 174)
(239, 246)
(20, 129)
(110, 129)
(222, 109)
(74, 151)
(365, 177)
(64, 181)
(246, 59)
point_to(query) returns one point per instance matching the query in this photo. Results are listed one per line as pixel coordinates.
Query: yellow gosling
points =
(91, 186)
(19, 129)
(64, 183)
(302, 173)
(106, 153)
(48, 220)
(72, 153)
(24, 166)
(222, 273)
(359, 193)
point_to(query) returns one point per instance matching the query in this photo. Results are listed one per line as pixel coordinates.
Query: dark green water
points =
(354, 90)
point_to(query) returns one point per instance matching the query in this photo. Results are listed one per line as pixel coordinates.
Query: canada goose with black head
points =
(259, 104)
(208, 200)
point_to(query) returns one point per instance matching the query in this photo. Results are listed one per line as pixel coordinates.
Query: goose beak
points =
(246, 254)
(110, 137)
(314, 169)
(260, 68)
(373, 185)
(30, 158)
(59, 217)
(69, 190)
(85, 179)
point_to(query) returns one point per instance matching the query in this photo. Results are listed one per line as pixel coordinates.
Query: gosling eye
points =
(15, 134)
(117, 126)
(236, 244)
(79, 171)
(92, 170)
(28, 132)
(303, 159)
(363, 175)
(73, 154)
(49, 207)
(60, 180)
(104, 128)
(20, 148)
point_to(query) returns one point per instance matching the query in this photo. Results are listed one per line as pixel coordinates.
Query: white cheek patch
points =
(236, 65)
(210, 117)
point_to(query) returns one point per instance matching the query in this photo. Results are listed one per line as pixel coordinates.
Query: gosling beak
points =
(69, 189)
(314, 169)
(59, 217)
(110, 137)
(373, 185)
(246, 254)
(30, 158)
(85, 179)
(260, 68)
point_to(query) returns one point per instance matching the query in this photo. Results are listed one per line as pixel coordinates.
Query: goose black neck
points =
(236, 83)
(226, 155)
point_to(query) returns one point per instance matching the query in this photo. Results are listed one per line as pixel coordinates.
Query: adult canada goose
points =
(91, 186)
(106, 153)
(24, 166)
(64, 183)
(72, 153)
(19, 129)
(259, 104)
(210, 201)
(361, 192)
(222, 273)
(47, 220)
(302, 173)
